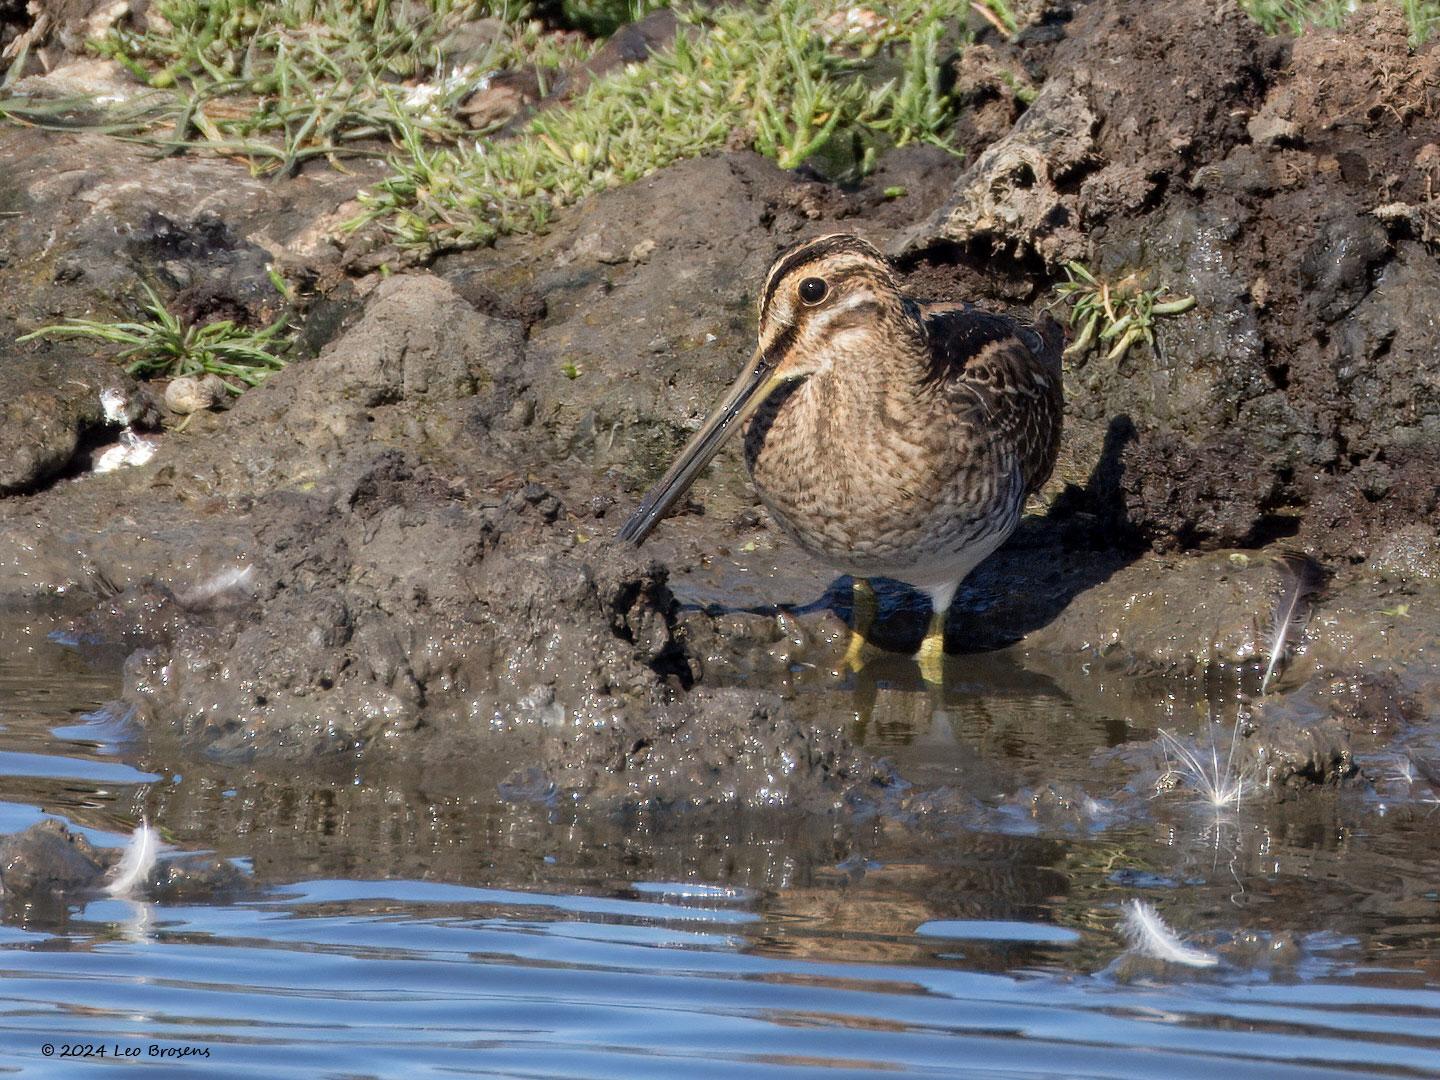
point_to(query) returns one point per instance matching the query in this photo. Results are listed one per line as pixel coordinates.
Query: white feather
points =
(1301, 578)
(1148, 935)
(136, 863)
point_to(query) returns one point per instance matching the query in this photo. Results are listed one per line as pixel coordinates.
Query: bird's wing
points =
(1011, 369)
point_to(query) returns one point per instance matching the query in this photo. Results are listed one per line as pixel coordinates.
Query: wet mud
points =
(399, 550)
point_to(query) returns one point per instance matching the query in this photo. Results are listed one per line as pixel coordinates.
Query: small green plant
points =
(166, 346)
(916, 106)
(799, 103)
(1122, 313)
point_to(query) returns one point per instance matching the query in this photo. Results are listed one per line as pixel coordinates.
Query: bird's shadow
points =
(1052, 558)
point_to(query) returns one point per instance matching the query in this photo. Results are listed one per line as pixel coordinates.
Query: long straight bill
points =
(755, 384)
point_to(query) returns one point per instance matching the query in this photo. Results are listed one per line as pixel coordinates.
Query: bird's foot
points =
(931, 656)
(863, 607)
(854, 658)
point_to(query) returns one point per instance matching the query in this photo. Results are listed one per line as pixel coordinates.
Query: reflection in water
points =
(409, 925)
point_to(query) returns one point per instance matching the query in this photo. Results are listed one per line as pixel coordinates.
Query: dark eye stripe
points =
(813, 251)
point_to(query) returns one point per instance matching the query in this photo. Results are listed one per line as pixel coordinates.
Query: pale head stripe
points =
(813, 250)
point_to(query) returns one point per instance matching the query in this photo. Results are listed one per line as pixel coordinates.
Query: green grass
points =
(1294, 16)
(82, 114)
(797, 79)
(278, 82)
(164, 345)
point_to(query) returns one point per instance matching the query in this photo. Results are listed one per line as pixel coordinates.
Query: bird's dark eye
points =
(813, 290)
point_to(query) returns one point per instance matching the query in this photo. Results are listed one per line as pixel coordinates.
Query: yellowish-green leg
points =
(863, 607)
(931, 656)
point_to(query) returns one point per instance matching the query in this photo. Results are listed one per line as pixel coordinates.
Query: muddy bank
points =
(399, 547)
(1290, 188)
(85, 223)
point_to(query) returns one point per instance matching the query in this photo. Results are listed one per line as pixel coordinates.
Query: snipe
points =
(886, 436)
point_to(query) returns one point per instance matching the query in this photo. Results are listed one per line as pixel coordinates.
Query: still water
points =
(402, 928)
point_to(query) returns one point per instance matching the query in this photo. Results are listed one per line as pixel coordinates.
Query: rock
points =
(140, 616)
(47, 861)
(501, 100)
(1293, 747)
(630, 44)
(991, 84)
(403, 607)
(1010, 194)
(201, 879)
(52, 402)
(418, 339)
(418, 362)
(1023, 190)
(102, 82)
(472, 40)
(47, 867)
(1264, 128)
(131, 451)
(74, 23)
(93, 217)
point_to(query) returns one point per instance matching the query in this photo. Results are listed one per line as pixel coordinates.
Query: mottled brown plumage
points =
(887, 437)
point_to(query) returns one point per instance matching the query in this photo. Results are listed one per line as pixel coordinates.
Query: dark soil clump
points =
(1291, 191)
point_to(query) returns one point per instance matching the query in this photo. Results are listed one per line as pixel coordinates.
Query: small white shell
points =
(191, 393)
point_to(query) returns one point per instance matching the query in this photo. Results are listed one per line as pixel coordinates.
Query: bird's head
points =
(822, 298)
